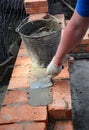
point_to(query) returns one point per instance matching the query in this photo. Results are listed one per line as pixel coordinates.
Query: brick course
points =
(20, 113)
(16, 96)
(61, 105)
(25, 126)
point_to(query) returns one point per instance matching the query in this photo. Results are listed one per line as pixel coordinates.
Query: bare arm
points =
(72, 35)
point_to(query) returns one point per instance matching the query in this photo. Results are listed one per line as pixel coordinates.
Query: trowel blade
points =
(40, 97)
(43, 82)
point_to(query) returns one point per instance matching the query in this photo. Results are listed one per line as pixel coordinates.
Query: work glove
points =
(53, 69)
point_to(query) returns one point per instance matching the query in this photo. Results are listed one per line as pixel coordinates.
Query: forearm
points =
(72, 35)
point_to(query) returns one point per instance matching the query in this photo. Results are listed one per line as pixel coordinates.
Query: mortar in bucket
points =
(41, 36)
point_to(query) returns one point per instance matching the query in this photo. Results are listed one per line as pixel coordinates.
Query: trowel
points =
(42, 82)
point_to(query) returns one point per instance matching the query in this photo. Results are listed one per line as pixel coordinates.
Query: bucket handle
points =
(22, 23)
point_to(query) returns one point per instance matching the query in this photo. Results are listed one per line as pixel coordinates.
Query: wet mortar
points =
(39, 87)
(40, 97)
(79, 82)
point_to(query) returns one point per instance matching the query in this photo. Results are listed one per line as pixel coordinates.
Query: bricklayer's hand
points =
(53, 69)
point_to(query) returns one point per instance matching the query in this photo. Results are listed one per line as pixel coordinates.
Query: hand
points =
(53, 69)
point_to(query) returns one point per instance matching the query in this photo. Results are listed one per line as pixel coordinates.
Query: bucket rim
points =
(36, 37)
(24, 22)
(28, 36)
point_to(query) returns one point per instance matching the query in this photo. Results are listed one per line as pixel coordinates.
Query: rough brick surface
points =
(24, 126)
(21, 71)
(18, 83)
(35, 126)
(35, 3)
(25, 112)
(61, 105)
(22, 60)
(11, 127)
(16, 96)
(22, 65)
(36, 6)
(65, 125)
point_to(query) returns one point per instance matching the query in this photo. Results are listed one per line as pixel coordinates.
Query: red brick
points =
(17, 83)
(18, 113)
(60, 108)
(22, 67)
(22, 60)
(11, 127)
(36, 6)
(64, 73)
(25, 126)
(36, 10)
(21, 71)
(35, 3)
(63, 125)
(36, 126)
(16, 96)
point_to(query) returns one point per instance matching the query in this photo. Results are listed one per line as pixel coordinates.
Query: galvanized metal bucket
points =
(41, 36)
